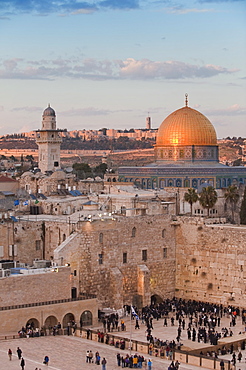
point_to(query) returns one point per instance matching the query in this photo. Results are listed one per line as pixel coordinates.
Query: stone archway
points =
(86, 318)
(33, 322)
(68, 318)
(155, 299)
(50, 321)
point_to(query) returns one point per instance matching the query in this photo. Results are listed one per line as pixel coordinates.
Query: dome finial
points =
(186, 100)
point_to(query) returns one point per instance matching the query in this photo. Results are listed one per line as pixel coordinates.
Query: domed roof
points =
(186, 126)
(49, 112)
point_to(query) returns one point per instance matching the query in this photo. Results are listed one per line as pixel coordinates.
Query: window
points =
(100, 258)
(38, 245)
(144, 254)
(56, 164)
(133, 232)
(125, 257)
(163, 233)
(101, 238)
(164, 252)
(74, 272)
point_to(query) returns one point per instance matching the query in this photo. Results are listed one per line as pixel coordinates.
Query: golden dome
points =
(186, 126)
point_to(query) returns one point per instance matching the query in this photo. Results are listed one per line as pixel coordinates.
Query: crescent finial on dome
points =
(186, 100)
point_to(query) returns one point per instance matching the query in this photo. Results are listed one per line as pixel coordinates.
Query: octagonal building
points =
(186, 155)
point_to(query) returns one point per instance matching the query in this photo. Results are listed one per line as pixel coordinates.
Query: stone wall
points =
(23, 235)
(98, 251)
(49, 286)
(210, 262)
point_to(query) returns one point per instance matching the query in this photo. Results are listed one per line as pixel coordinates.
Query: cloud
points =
(27, 109)
(182, 10)
(93, 69)
(147, 69)
(61, 7)
(90, 111)
(233, 110)
(220, 1)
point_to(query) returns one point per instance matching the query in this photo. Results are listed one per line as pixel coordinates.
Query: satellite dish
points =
(69, 169)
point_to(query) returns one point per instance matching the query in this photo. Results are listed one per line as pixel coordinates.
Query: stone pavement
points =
(68, 353)
(65, 353)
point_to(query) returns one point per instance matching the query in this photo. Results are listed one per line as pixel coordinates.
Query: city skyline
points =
(112, 63)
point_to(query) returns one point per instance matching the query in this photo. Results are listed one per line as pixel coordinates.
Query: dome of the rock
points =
(186, 126)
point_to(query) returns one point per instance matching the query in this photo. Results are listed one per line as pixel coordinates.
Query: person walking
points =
(22, 363)
(222, 365)
(104, 363)
(46, 360)
(10, 354)
(149, 364)
(19, 352)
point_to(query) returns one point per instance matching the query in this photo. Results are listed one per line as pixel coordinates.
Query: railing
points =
(84, 296)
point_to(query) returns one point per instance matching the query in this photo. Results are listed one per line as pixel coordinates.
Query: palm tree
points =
(232, 196)
(208, 197)
(191, 197)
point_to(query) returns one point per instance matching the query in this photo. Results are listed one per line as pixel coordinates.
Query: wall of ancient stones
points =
(121, 260)
(49, 286)
(210, 262)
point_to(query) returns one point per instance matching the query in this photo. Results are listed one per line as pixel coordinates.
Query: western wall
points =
(129, 259)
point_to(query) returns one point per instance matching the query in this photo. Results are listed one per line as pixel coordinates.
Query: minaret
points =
(49, 142)
(148, 123)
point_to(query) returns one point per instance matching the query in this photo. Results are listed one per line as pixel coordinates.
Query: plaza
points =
(69, 352)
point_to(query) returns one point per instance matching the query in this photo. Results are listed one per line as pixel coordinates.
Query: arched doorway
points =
(51, 321)
(34, 323)
(68, 318)
(86, 318)
(155, 299)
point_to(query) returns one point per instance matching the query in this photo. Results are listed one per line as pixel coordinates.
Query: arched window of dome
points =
(194, 183)
(134, 230)
(163, 233)
(101, 238)
(186, 183)
(170, 182)
(178, 183)
(161, 183)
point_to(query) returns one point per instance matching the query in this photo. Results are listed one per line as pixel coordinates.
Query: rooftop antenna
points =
(186, 100)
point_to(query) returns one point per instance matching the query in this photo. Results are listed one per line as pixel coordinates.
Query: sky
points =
(112, 63)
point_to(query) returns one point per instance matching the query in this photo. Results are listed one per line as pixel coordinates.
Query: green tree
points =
(29, 158)
(12, 158)
(208, 197)
(82, 170)
(243, 209)
(232, 196)
(191, 197)
(100, 169)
